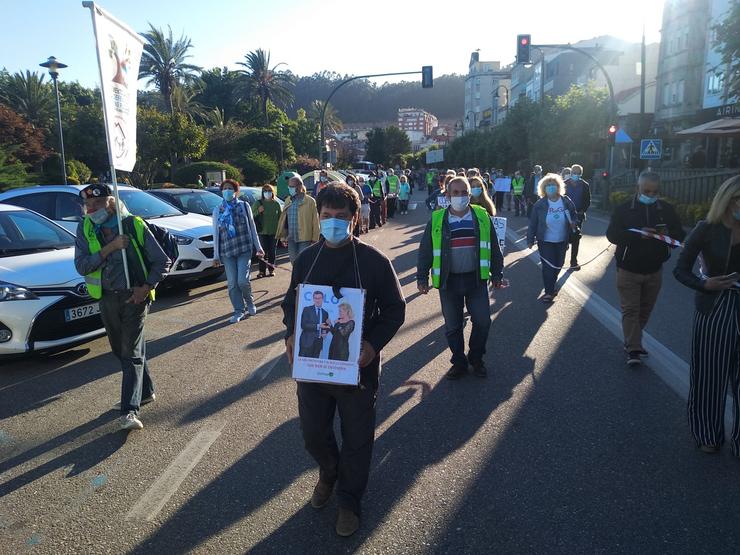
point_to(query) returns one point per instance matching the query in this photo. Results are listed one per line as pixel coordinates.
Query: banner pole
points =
(92, 7)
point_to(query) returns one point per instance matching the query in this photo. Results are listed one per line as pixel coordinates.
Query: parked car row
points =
(44, 304)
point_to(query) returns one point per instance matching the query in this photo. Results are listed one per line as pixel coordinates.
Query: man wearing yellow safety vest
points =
(376, 199)
(460, 248)
(99, 251)
(393, 185)
(517, 189)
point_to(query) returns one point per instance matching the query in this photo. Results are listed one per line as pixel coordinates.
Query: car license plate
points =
(81, 312)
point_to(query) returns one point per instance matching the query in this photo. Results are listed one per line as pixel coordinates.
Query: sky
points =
(344, 36)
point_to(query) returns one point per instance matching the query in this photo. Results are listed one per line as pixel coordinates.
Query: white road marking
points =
(164, 487)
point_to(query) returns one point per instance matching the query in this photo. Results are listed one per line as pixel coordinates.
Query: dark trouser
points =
(576, 244)
(350, 468)
(124, 325)
(268, 245)
(637, 294)
(499, 199)
(554, 253)
(375, 215)
(519, 208)
(391, 206)
(311, 350)
(466, 290)
(383, 211)
(404, 206)
(715, 364)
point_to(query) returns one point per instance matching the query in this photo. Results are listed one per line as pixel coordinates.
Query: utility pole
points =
(643, 57)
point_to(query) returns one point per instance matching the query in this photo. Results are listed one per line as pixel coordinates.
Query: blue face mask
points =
(228, 195)
(291, 191)
(335, 230)
(476, 191)
(99, 217)
(737, 215)
(644, 199)
(575, 177)
(551, 190)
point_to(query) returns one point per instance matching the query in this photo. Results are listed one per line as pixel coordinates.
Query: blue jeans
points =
(124, 325)
(555, 254)
(466, 290)
(295, 248)
(237, 276)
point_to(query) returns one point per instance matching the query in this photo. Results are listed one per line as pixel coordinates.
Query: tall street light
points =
(53, 65)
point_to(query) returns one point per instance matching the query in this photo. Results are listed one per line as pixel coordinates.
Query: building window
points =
(715, 83)
(667, 94)
(680, 91)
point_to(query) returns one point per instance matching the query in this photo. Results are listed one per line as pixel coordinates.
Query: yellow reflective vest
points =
(94, 280)
(484, 243)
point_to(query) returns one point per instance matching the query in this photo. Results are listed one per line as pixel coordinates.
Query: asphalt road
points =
(562, 448)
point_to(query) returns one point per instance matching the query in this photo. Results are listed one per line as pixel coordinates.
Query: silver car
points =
(44, 304)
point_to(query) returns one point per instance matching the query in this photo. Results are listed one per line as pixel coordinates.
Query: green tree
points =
(220, 91)
(163, 63)
(28, 95)
(223, 142)
(332, 123)
(728, 43)
(12, 171)
(386, 146)
(258, 168)
(306, 136)
(265, 82)
(84, 134)
(267, 141)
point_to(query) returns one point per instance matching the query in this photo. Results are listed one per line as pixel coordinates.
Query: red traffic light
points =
(605, 174)
(524, 41)
(612, 129)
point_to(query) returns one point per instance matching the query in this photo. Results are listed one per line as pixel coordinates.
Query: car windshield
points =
(147, 206)
(200, 202)
(23, 232)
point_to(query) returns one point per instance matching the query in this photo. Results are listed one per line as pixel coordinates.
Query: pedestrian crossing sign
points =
(651, 149)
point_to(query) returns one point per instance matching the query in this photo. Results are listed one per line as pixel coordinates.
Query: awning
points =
(724, 127)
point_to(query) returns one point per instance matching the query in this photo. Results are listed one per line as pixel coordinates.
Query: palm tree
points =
(265, 82)
(332, 123)
(163, 63)
(28, 95)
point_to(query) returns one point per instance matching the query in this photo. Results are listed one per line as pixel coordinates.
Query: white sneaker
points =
(236, 318)
(144, 401)
(130, 422)
(252, 310)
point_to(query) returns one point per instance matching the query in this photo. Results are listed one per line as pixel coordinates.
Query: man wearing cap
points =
(99, 251)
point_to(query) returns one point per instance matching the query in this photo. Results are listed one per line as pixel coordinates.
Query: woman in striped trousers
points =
(715, 349)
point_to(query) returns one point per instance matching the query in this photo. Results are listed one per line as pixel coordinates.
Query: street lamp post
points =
(53, 65)
(475, 118)
(281, 148)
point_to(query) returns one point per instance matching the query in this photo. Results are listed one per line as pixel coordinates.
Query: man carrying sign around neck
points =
(640, 258)
(341, 260)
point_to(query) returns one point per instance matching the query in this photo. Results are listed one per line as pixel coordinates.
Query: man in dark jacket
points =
(341, 260)
(579, 191)
(640, 258)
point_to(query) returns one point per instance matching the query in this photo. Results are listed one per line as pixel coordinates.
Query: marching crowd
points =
(459, 255)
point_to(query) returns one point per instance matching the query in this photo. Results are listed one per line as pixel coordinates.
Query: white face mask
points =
(459, 203)
(268, 196)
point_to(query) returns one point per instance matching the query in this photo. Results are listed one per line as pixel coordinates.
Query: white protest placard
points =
(328, 335)
(499, 225)
(119, 51)
(502, 184)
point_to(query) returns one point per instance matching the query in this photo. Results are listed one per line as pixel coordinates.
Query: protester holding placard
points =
(640, 258)
(716, 331)
(461, 249)
(342, 261)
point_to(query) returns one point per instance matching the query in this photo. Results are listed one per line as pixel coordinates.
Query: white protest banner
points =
(119, 53)
(328, 335)
(502, 184)
(499, 224)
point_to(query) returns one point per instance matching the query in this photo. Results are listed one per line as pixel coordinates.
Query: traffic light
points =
(524, 49)
(612, 134)
(426, 77)
(605, 174)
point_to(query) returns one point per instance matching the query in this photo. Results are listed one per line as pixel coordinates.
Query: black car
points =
(198, 201)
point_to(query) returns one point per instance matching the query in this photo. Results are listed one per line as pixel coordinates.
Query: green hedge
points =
(688, 213)
(258, 168)
(188, 175)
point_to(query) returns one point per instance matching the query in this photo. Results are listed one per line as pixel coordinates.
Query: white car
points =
(44, 304)
(194, 232)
